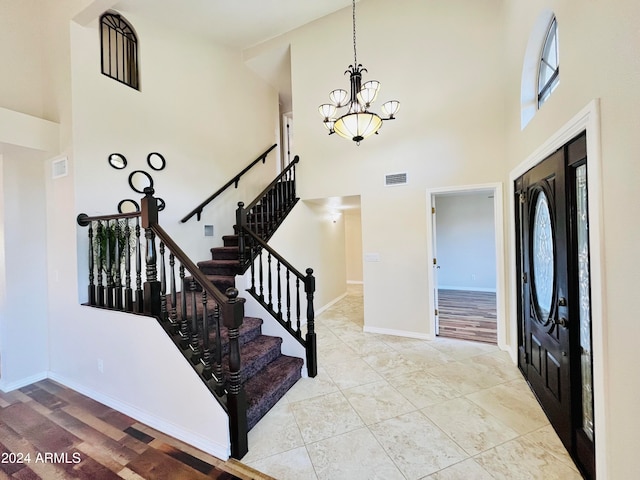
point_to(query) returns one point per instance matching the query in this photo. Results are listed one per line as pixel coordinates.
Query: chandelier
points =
(357, 122)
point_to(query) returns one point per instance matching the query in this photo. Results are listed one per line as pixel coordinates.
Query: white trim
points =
(398, 333)
(23, 382)
(355, 282)
(466, 289)
(587, 119)
(498, 220)
(170, 429)
(328, 305)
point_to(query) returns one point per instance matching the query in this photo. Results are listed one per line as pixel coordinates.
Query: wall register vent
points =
(395, 179)
(59, 168)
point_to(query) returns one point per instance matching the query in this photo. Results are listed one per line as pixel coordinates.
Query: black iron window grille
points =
(549, 69)
(119, 49)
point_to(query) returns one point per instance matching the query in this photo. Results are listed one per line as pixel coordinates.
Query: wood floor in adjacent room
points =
(48, 432)
(467, 315)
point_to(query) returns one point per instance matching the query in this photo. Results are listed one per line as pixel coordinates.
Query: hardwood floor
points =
(468, 315)
(48, 431)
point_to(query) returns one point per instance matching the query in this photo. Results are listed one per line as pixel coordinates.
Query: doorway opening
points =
(466, 255)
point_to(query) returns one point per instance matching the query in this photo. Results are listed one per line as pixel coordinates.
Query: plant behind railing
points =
(189, 309)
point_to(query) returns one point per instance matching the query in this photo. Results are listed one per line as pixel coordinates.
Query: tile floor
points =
(385, 407)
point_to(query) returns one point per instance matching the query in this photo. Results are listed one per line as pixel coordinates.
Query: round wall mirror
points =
(128, 206)
(156, 161)
(117, 161)
(139, 180)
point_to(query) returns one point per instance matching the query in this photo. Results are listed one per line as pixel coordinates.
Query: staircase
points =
(266, 373)
(198, 305)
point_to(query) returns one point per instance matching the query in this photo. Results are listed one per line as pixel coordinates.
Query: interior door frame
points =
(588, 119)
(498, 224)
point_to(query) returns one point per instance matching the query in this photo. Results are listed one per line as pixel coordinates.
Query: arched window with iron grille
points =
(119, 49)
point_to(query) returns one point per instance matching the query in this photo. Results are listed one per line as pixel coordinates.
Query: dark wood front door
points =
(551, 267)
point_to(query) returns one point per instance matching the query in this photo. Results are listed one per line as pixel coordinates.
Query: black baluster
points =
(164, 315)
(139, 292)
(241, 221)
(217, 367)
(92, 288)
(101, 256)
(173, 314)
(184, 322)
(288, 300)
(109, 262)
(310, 341)
(128, 293)
(260, 274)
(117, 291)
(253, 267)
(297, 306)
(194, 344)
(269, 279)
(205, 359)
(279, 293)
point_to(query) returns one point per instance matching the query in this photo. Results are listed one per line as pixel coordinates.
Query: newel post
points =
(312, 354)
(232, 317)
(241, 221)
(152, 287)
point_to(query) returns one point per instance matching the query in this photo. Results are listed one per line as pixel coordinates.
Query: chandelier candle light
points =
(357, 123)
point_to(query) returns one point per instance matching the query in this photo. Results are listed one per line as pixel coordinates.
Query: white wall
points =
(613, 79)
(309, 238)
(465, 242)
(185, 111)
(23, 322)
(450, 130)
(353, 245)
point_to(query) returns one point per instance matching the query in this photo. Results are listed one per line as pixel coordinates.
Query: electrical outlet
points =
(100, 365)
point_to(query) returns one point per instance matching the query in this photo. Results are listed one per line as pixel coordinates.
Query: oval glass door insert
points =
(543, 258)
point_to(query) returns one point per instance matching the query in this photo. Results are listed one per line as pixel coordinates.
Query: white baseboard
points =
(467, 289)
(23, 382)
(330, 304)
(170, 429)
(398, 333)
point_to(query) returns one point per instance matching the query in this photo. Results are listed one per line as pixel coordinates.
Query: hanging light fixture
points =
(357, 122)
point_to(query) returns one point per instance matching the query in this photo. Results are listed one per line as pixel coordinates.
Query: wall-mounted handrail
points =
(234, 181)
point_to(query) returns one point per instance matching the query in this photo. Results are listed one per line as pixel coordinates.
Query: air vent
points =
(59, 168)
(395, 179)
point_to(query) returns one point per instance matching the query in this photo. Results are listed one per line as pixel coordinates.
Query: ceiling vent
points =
(395, 179)
(59, 168)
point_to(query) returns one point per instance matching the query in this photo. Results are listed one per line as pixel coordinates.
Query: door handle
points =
(563, 322)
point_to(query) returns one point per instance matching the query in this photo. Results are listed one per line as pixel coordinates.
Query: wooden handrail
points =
(198, 210)
(296, 159)
(83, 219)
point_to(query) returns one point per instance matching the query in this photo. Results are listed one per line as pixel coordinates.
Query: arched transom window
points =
(549, 69)
(119, 46)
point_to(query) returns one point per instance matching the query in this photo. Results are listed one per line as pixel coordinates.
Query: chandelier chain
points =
(355, 55)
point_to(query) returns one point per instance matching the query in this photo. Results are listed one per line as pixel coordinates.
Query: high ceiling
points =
(235, 23)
